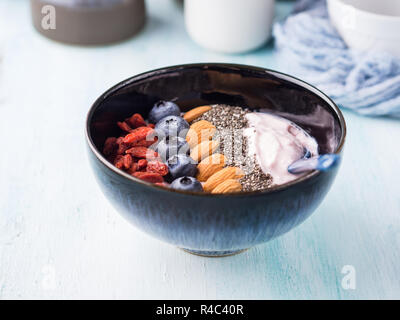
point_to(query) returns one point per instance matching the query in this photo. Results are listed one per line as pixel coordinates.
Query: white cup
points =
(230, 26)
(368, 24)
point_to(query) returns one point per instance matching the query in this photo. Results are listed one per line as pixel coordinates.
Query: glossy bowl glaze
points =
(215, 225)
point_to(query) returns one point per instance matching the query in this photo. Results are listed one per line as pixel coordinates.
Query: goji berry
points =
(120, 140)
(144, 143)
(142, 163)
(110, 146)
(122, 147)
(149, 177)
(119, 162)
(157, 167)
(128, 161)
(124, 126)
(136, 121)
(131, 151)
(142, 152)
(139, 134)
(133, 168)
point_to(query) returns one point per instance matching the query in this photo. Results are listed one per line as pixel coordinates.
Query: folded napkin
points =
(366, 82)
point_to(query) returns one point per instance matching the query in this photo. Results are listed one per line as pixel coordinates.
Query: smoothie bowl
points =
(197, 155)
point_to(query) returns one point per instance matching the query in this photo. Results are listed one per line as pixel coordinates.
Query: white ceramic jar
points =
(230, 26)
(368, 24)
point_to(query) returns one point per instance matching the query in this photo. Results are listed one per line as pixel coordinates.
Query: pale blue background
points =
(59, 237)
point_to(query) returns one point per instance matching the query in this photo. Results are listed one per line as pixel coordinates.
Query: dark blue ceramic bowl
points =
(215, 225)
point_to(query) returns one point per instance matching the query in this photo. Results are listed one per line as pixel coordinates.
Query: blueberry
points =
(171, 146)
(307, 154)
(162, 109)
(172, 126)
(187, 184)
(181, 165)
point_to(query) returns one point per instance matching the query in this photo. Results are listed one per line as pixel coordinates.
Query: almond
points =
(203, 150)
(228, 186)
(221, 176)
(195, 113)
(200, 131)
(209, 166)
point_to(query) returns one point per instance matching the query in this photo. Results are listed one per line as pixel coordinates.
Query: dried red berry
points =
(157, 167)
(127, 161)
(142, 163)
(122, 147)
(133, 168)
(142, 152)
(139, 134)
(124, 126)
(144, 143)
(130, 152)
(119, 162)
(110, 146)
(136, 121)
(149, 177)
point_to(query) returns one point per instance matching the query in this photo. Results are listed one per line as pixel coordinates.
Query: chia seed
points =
(230, 122)
(226, 117)
(256, 180)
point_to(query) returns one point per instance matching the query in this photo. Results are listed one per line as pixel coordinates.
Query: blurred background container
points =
(368, 24)
(88, 22)
(230, 26)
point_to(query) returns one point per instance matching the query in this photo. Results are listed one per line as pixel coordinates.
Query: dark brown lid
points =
(86, 24)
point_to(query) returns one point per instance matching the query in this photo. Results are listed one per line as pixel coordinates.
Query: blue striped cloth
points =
(366, 82)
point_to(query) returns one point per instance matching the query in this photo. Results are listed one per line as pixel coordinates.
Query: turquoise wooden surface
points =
(59, 238)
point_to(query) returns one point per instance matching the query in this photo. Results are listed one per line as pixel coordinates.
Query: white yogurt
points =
(277, 143)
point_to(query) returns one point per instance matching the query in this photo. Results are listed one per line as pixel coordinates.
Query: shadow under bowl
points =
(204, 224)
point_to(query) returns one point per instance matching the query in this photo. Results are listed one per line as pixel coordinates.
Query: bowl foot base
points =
(214, 254)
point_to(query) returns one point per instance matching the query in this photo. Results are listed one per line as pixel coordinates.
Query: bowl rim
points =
(151, 73)
(366, 13)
